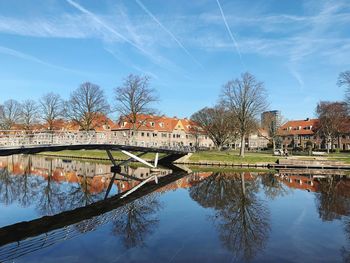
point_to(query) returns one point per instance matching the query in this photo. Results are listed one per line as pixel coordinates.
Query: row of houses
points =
(163, 131)
(299, 133)
(148, 131)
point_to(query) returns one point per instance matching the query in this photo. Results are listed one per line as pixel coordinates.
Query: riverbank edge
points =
(195, 163)
(204, 163)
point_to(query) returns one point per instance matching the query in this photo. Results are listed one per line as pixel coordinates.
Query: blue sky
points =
(189, 48)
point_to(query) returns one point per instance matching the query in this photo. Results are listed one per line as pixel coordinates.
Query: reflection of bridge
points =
(49, 230)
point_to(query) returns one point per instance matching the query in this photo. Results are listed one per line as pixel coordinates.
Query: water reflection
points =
(333, 198)
(241, 217)
(346, 250)
(56, 185)
(273, 186)
(137, 220)
(238, 208)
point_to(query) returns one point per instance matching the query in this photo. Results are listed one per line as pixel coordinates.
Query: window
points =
(154, 134)
(147, 134)
(142, 134)
(152, 123)
(161, 124)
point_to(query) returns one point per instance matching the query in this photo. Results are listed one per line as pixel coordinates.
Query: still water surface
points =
(225, 216)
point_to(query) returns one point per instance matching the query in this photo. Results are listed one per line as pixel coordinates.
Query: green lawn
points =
(344, 157)
(202, 156)
(233, 157)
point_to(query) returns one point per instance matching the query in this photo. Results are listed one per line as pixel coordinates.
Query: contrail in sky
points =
(169, 32)
(230, 33)
(103, 24)
(21, 55)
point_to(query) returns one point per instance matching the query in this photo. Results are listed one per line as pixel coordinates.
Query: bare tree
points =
(29, 113)
(331, 116)
(344, 80)
(52, 108)
(246, 99)
(10, 114)
(272, 123)
(216, 123)
(85, 104)
(135, 97)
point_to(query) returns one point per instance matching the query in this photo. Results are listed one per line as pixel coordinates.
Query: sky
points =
(190, 49)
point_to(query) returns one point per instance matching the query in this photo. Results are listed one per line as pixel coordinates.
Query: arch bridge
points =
(32, 142)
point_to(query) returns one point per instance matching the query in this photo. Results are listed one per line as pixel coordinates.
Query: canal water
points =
(209, 215)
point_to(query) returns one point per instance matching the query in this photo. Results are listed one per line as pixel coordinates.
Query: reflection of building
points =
(312, 182)
(301, 182)
(95, 176)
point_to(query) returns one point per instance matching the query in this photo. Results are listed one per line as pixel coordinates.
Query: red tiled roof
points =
(299, 127)
(157, 123)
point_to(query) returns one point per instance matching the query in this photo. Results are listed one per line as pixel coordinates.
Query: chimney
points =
(307, 119)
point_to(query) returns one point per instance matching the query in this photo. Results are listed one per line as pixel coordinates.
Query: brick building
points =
(161, 131)
(297, 133)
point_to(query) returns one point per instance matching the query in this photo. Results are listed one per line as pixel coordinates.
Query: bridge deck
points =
(32, 149)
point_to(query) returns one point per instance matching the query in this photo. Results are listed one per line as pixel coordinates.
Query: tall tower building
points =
(269, 117)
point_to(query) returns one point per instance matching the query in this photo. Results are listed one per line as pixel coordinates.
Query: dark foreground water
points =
(225, 216)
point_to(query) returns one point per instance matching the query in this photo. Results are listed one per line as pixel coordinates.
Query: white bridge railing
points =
(21, 138)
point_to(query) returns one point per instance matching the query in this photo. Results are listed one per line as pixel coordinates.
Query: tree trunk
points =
(328, 142)
(242, 145)
(273, 145)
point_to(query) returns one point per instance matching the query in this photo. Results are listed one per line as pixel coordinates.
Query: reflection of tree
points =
(8, 189)
(241, 218)
(21, 188)
(332, 200)
(273, 187)
(136, 220)
(81, 194)
(27, 184)
(52, 197)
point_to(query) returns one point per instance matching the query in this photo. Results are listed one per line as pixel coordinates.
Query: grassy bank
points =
(232, 157)
(203, 156)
